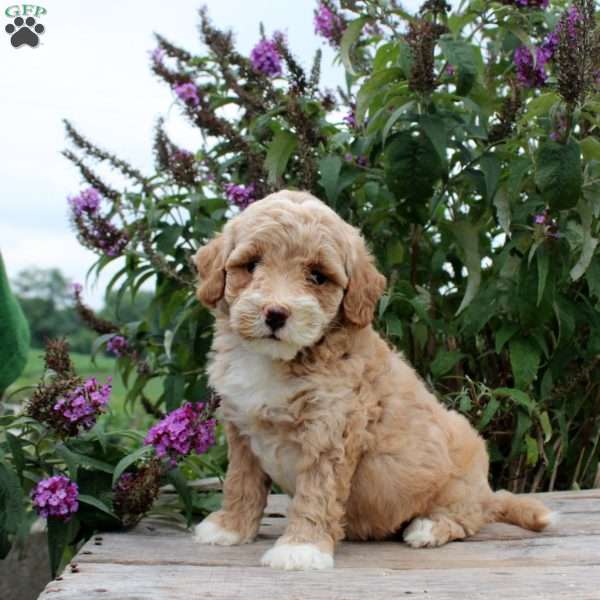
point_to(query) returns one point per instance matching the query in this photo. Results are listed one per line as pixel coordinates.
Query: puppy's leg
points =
(244, 497)
(316, 515)
(434, 530)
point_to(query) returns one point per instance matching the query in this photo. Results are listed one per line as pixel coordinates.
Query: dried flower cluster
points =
(135, 492)
(421, 38)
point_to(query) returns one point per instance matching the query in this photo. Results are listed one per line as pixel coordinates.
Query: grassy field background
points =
(119, 414)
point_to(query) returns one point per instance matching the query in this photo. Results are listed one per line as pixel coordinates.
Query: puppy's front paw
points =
(297, 557)
(208, 532)
(419, 534)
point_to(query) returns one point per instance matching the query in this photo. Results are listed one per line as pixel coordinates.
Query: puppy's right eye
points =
(250, 266)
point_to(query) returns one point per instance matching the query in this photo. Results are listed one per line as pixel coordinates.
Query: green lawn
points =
(120, 415)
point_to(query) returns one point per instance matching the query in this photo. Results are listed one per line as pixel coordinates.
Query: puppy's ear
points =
(210, 263)
(365, 287)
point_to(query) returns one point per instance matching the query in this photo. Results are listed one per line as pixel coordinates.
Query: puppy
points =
(316, 401)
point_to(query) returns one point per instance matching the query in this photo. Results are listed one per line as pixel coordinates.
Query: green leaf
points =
(543, 265)
(394, 117)
(467, 236)
(74, 460)
(330, 167)
(546, 426)
(444, 361)
(12, 512)
(372, 87)
(558, 173)
(60, 534)
(540, 105)
(588, 245)
(503, 334)
(524, 361)
(17, 452)
(129, 460)
(523, 425)
(435, 129)
(179, 482)
(460, 54)
(279, 152)
(96, 503)
(411, 166)
(488, 413)
(490, 165)
(174, 387)
(519, 397)
(351, 35)
(533, 453)
(590, 148)
(502, 204)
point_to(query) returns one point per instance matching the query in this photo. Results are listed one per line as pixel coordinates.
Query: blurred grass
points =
(119, 415)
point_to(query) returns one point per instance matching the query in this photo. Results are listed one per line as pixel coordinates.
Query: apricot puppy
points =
(316, 401)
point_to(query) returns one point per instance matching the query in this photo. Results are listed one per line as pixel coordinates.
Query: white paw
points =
(208, 532)
(420, 533)
(297, 557)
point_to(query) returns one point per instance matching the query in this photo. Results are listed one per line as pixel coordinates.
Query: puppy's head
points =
(286, 268)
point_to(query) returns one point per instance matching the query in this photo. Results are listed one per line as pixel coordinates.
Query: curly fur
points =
(328, 410)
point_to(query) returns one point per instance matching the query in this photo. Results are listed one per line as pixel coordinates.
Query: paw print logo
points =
(24, 32)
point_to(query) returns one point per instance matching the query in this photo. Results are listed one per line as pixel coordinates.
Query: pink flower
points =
(82, 406)
(188, 93)
(182, 431)
(56, 497)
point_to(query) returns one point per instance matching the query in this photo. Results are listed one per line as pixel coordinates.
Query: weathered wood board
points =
(159, 560)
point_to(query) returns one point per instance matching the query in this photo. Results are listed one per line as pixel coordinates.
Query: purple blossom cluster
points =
(81, 406)
(182, 431)
(530, 3)
(88, 201)
(157, 55)
(530, 73)
(55, 496)
(188, 93)
(96, 231)
(350, 118)
(328, 24)
(265, 58)
(546, 225)
(361, 160)
(240, 195)
(117, 345)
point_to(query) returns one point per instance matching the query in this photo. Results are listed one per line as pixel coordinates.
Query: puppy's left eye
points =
(317, 277)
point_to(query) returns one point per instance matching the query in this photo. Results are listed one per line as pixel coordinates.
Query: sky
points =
(92, 67)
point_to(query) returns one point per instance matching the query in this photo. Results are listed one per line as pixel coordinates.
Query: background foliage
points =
(465, 146)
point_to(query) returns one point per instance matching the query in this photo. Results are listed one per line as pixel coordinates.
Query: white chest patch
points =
(253, 388)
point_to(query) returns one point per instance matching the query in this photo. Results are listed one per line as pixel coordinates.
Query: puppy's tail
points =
(523, 511)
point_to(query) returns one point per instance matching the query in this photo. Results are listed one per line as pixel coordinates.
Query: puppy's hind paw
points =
(297, 557)
(419, 534)
(208, 532)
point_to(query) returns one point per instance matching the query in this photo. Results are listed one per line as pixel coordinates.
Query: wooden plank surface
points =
(160, 560)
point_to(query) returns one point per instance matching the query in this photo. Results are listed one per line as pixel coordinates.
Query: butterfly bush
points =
(265, 58)
(188, 93)
(117, 345)
(181, 432)
(56, 497)
(240, 195)
(329, 24)
(82, 406)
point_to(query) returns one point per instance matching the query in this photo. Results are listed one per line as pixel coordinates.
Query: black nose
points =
(275, 318)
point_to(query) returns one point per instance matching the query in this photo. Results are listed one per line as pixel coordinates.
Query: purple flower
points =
(157, 55)
(265, 58)
(188, 93)
(329, 25)
(529, 3)
(350, 118)
(348, 157)
(529, 74)
(88, 201)
(182, 431)
(77, 288)
(362, 161)
(450, 70)
(540, 219)
(55, 497)
(117, 345)
(82, 406)
(241, 196)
